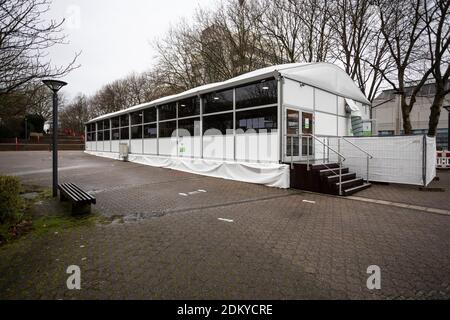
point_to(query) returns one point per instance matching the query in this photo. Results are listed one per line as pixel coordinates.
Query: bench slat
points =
(65, 188)
(76, 193)
(80, 193)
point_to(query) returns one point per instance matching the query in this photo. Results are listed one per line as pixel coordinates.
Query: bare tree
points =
(74, 115)
(438, 34)
(24, 40)
(358, 43)
(403, 24)
(281, 25)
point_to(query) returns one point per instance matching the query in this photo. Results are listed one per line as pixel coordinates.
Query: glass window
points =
(124, 133)
(136, 117)
(106, 135)
(115, 122)
(91, 127)
(100, 125)
(89, 137)
(219, 122)
(167, 111)
(124, 120)
(218, 101)
(150, 115)
(150, 131)
(100, 136)
(257, 119)
(106, 124)
(257, 94)
(136, 132)
(189, 107)
(189, 127)
(166, 129)
(115, 134)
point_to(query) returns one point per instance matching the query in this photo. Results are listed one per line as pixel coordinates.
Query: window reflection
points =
(257, 94)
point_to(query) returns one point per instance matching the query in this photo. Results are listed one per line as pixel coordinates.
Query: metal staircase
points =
(319, 174)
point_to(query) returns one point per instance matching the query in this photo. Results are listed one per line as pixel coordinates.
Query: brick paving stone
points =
(277, 247)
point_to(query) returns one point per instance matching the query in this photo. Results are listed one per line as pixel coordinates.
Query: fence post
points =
(424, 160)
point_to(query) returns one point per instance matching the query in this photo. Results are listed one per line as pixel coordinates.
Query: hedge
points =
(10, 200)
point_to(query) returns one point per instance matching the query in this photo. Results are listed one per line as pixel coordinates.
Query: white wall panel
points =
(107, 145)
(136, 146)
(257, 147)
(326, 124)
(218, 147)
(297, 96)
(325, 101)
(189, 147)
(115, 145)
(150, 146)
(99, 145)
(168, 146)
(344, 126)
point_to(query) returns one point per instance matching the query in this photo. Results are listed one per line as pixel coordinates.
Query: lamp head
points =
(54, 85)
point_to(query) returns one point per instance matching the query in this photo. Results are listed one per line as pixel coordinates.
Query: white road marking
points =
(226, 220)
(192, 192)
(308, 201)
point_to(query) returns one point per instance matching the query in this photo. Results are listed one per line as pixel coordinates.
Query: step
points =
(332, 171)
(320, 166)
(353, 190)
(345, 177)
(350, 183)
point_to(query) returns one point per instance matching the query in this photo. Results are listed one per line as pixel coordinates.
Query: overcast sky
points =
(114, 36)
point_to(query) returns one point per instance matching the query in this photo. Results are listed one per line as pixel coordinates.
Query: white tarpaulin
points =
(396, 159)
(269, 174)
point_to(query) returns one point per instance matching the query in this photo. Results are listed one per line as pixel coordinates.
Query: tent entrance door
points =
(296, 122)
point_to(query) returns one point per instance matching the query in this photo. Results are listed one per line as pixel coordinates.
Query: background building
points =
(387, 114)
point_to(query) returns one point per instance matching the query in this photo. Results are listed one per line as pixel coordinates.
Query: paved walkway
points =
(223, 239)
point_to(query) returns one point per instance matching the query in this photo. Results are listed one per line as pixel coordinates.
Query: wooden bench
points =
(81, 200)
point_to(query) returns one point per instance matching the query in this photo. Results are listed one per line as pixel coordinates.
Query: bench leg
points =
(62, 197)
(79, 209)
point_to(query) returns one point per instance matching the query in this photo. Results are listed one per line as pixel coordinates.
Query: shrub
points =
(10, 200)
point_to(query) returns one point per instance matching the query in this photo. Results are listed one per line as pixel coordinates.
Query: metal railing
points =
(368, 156)
(326, 151)
(312, 137)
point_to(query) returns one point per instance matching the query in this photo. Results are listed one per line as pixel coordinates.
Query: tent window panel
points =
(189, 107)
(166, 129)
(106, 135)
(89, 137)
(115, 122)
(257, 94)
(115, 134)
(124, 120)
(100, 125)
(124, 133)
(257, 119)
(167, 111)
(106, 124)
(218, 101)
(150, 131)
(100, 136)
(136, 117)
(189, 127)
(150, 115)
(136, 132)
(91, 127)
(217, 124)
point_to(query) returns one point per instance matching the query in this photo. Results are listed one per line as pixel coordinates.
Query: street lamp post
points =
(55, 85)
(448, 126)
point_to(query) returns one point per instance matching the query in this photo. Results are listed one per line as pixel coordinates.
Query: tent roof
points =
(321, 75)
